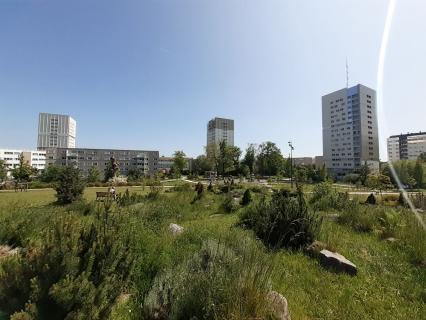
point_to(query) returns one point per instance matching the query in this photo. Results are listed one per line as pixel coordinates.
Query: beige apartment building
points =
(350, 130)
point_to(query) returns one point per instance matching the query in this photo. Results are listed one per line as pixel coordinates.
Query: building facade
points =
(406, 146)
(319, 162)
(350, 129)
(165, 164)
(84, 159)
(303, 161)
(220, 129)
(36, 159)
(56, 131)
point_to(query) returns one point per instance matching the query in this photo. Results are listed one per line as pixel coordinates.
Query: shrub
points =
(325, 197)
(154, 191)
(229, 205)
(76, 273)
(220, 281)
(401, 200)
(83, 207)
(246, 198)
(284, 221)
(389, 222)
(371, 199)
(70, 186)
(256, 189)
(199, 187)
(128, 198)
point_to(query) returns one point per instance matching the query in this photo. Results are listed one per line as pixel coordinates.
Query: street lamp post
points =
(291, 162)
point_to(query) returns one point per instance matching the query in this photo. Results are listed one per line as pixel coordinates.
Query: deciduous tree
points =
(93, 175)
(269, 160)
(23, 171)
(70, 185)
(3, 170)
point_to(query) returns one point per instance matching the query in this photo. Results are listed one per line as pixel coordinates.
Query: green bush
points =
(256, 189)
(229, 205)
(284, 221)
(128, 198)
(154, 191)
(371, 199)
(389, 221)
(247, 198)
(76, 272)
(324, 197)
(70, 186)
(220, 281)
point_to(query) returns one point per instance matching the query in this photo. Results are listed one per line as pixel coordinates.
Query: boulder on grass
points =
(175, 229)
(279, 306)
(337, 262)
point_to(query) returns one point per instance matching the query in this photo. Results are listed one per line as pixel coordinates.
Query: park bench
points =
(23, 187)
(102, 196)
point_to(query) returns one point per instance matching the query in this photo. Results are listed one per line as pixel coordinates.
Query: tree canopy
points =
(23, 171)
(269, 159)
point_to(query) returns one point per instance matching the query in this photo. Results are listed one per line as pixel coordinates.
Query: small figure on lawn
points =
(113, 192)
(199, 188)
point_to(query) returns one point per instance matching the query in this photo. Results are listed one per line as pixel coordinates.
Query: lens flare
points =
(380, 74)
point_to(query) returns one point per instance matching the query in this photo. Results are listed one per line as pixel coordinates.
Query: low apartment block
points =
(165, 164)
(36, 159)
(85, 158)
(406, 146)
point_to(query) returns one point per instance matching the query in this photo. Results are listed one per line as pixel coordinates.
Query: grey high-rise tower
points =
(220, 129)
(350, 129)
(56, 131)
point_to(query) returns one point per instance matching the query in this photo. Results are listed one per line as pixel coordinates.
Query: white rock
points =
(337, 262)
(175, 229)
(279, 305)
(6, 251)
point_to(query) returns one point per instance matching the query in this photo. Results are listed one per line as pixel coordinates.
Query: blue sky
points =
(150, 74)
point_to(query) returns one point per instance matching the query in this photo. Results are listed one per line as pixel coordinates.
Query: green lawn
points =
(46, 196)
(388, 285)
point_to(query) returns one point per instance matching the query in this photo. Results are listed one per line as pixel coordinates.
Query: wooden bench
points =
(102, 196)
(23, 187)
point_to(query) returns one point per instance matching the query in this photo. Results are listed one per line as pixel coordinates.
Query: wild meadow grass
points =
(215, 269)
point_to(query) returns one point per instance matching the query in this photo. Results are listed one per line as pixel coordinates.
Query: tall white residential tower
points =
(220, 129)
(350, 129)
(56, 131)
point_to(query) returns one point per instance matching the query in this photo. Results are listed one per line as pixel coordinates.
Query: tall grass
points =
(325, 197)
(413, 237)
(221, 281)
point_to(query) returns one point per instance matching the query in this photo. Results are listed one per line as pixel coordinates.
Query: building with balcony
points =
(85, 158)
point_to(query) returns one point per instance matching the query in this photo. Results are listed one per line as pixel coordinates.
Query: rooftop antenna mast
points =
(347, 73)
